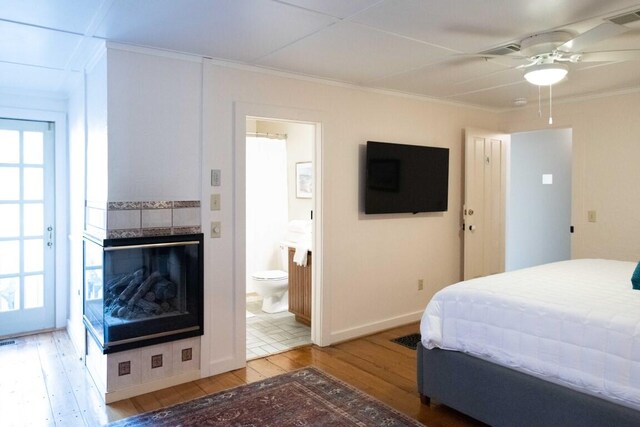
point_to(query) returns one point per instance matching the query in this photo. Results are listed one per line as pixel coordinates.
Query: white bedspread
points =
(575, 323)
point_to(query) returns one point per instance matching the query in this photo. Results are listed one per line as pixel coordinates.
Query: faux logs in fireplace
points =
(144, 290)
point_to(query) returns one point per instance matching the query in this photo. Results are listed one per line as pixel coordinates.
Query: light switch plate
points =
(215, 202)
(215, 177)
(215, 229)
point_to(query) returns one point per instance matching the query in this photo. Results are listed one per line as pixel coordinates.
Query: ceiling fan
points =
(548, 54)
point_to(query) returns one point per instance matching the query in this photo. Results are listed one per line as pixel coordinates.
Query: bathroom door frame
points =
(320, 321)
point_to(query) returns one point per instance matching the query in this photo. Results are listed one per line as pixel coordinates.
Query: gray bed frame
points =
(500, 396)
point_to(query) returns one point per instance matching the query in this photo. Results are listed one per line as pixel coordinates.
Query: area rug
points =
(306, 397)
(410, 340)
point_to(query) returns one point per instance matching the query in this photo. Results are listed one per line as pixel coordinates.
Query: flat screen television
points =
(406, 178)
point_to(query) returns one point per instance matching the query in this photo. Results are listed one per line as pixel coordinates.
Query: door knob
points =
(472, 228)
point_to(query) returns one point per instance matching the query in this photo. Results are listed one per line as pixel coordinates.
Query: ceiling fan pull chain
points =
(539, 103)
(550, 104)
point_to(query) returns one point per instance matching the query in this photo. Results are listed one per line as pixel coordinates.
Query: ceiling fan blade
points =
(592, 36)
(487, 55)
(610, 56)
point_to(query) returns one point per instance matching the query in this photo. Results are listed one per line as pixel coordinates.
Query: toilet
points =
(273, 285)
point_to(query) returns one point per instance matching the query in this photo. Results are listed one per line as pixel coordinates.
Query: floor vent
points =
(626, 18)
(411, 341)
(7, 342)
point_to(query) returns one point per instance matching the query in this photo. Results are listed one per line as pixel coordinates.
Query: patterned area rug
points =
(410, 340)
(307, 397)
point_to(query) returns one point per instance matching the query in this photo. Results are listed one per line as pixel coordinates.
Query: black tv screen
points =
(406, 178)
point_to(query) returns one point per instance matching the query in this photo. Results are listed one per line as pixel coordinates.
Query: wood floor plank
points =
(266, 368)
(45, 383)
(219, 382)
(248, 374)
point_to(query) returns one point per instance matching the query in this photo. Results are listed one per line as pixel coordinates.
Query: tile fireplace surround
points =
(115, 220)
(133, 372)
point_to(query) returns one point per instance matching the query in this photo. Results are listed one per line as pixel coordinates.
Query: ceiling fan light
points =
(546, 74)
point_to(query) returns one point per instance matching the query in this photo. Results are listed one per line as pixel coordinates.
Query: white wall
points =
(96, 121)
(266, 201)
(605, 171)
(538, 214)
(372, 263)
(77, 139)
(154, 126)
(300, 138)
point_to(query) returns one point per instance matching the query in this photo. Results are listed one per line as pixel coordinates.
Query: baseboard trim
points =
(225, 365)
(373, 327)
(114, 396)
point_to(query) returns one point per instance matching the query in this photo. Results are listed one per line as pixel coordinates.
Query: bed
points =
(557, 344)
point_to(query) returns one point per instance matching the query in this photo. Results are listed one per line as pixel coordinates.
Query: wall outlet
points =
(591, 216)
(216, 229)
(420, 284)
(215, 202)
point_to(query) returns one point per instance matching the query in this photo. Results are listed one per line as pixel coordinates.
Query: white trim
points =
(227, 364)
(164, 53)
(99, 53)
(61, 230)
(138, 389)
(375, 327)
(324, 81)
(320, 313)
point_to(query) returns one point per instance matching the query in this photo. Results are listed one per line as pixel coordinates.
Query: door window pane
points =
(10, 257)
(9, 183)
(33, 219)
(9, 220)
(33, 255)
(33, 148)
(9, 294)
(33, 184)
(9, 146)
(33, 291)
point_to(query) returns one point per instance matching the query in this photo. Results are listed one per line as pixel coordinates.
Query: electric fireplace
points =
(143, 290)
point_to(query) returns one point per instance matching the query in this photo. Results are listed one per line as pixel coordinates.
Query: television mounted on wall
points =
(406, 178)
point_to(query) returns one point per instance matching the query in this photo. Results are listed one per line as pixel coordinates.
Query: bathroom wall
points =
(264, 253)
(266, 204)
(300, 138)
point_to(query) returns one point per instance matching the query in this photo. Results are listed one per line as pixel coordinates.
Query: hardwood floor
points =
(44, 383)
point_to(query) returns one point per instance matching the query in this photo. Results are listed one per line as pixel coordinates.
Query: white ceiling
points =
(408, 46)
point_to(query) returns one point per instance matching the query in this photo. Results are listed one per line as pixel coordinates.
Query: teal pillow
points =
(635, 277)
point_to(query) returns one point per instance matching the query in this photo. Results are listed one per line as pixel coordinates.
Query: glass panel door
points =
(26, 226)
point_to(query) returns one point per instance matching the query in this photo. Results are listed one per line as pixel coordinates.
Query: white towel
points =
(300, 257)
(301, 226)
(302, 247)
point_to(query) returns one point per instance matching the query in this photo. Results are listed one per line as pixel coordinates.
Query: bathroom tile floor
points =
(272, 333)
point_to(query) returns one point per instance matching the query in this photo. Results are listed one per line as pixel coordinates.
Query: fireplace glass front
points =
(143, 291)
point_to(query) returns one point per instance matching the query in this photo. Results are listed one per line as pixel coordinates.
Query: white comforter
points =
(575, 323)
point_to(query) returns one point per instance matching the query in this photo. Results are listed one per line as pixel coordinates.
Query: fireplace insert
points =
(143, 290)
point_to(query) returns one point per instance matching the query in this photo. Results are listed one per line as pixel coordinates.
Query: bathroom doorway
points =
(279, 224)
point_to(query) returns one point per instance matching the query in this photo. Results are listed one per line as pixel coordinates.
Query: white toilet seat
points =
(270, 275)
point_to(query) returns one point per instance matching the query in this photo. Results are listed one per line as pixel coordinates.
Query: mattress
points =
(574, 323)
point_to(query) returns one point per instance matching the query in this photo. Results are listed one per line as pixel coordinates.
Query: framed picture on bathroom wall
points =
(304, 180)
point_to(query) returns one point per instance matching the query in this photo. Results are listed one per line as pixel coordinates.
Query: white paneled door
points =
(26, 226)
(485, 183)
